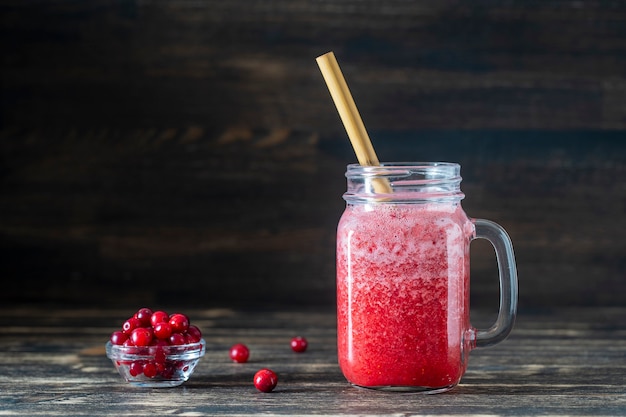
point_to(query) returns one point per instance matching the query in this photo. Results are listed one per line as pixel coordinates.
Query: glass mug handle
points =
(503, 246)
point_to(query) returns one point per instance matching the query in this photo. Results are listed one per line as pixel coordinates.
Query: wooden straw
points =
(350, 117)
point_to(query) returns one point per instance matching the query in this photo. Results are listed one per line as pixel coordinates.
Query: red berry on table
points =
(158, 317)
(141, 336)
(239, 353)
(179, 323)
(143, 315)
(163, 330)
(265, 380)
(299, 344)
(118, 338)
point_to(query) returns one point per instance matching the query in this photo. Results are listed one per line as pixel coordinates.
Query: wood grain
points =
(564, 362)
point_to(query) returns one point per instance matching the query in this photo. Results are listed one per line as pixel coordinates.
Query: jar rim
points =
(439, 169)
(432, 170)
(412, 164)
(409, 181)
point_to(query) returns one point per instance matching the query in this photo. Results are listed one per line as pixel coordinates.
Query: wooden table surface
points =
(565, 362)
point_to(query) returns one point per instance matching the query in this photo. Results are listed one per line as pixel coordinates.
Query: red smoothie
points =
(403, 294)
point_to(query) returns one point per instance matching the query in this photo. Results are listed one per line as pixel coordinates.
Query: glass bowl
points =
(156, 366)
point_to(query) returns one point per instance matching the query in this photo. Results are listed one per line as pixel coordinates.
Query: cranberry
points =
(150, 370)
(168, 372)
(179, 323)
(160, 342)
(265, 380)
(193, 334)
(141, 336)
(163, 330)
(159, 357)
(143, 315)
(161, 367)
(239, 353)
(118, 338)
(130, 325)
(135, 368)
(158, 317)
(177, 339)
(299, 344)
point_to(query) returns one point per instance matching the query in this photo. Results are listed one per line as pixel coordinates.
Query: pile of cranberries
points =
(156, 328)
(155, 334)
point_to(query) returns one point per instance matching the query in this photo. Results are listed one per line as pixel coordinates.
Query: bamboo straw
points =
(350, 117)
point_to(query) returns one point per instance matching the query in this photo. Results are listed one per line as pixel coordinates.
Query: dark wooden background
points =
(164, 152)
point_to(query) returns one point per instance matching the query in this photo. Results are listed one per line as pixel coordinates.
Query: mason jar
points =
(403, 284)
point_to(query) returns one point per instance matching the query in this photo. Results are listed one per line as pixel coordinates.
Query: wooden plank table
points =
(565, 362)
